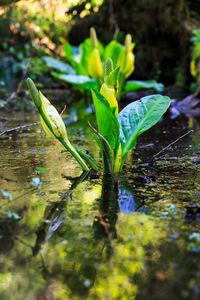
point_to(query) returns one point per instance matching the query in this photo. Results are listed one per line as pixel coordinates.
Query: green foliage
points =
(195, 56)
(108, 127)
(79, 81)
(79, 59)
(111, 79)
(134, 85)
(138, 117)
(58, 65)
(113, 50)
(133, 120)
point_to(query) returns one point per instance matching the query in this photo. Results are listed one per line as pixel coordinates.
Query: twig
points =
(62, 112)
(178, 139)
(18, 127)
(27, 125)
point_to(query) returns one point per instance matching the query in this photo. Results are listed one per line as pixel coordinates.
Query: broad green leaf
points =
(134, 85)
(58, 65)
(139, 116)
(107, 123)
(113, 50)
(81, 81)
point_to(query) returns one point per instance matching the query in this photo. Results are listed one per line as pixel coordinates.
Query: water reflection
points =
(84, 238)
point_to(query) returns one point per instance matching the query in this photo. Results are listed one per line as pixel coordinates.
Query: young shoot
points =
(117, 134)
(55, 127)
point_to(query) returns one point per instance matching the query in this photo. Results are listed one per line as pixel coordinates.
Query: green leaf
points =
(139, 116)
(111, 79)
(40, 170)
(68, 52)
(58, 65)
(74, 59)
(88, 159)
(113, 50)
(107, 123)
(81, 81)
(134, 85)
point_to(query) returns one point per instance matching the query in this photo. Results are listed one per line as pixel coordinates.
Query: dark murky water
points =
(94, 240)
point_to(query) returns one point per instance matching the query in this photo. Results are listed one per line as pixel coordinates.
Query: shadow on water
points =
(84, 237)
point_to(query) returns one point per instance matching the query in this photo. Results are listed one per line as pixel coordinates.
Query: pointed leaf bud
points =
(34, 92)
(108, 66)
(128, 42)
(93, 37)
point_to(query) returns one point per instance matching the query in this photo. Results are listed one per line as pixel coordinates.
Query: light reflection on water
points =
(97, 240)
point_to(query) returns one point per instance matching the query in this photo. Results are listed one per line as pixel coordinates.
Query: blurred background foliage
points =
(161, 30)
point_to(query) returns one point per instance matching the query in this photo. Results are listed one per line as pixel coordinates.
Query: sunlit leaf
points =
(138, 117)
(107, 123)
(113, 50)
(68, 52)
(81, 81)
(58, 65)
(134, 85)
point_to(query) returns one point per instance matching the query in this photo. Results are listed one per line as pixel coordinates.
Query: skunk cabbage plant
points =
(55, 127)
(85, 68)
(116, 133)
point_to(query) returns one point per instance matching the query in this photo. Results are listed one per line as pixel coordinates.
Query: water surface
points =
(59, 239)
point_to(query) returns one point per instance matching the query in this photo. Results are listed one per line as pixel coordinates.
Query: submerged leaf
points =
(138, 117)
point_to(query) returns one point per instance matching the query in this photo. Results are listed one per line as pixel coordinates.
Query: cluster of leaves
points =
(195, 57)
(76, 73)
(116, 134)
(120, 134)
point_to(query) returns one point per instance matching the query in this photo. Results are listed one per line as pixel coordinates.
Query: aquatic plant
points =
(55, 127)
(195, 56)
(85, 70)
(116, 134)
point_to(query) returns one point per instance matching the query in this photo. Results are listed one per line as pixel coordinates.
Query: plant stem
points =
(65, 143)
(74, 153)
